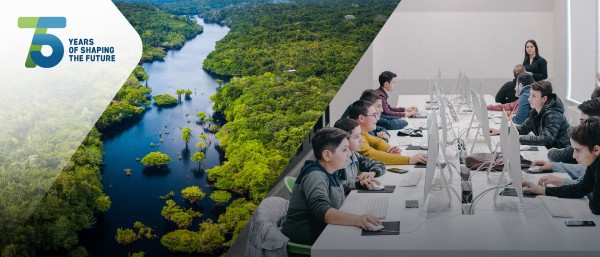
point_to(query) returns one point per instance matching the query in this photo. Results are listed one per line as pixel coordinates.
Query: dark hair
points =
(586, 133)
(370, 95)
(590, 107)
(537, 52)
(596, 92)
(327, 139)
(526, 78)
(386, 76)
(346, 124)
(518, 69)
(543, 86)
(360, 107)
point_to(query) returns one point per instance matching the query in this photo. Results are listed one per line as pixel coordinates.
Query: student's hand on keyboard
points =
(418, 158)
(553, 180)
(368, 183)
(533, 188)
(411, 109)
(393, 150)
(365, 175)
(410, 113)
(544, 165)
(363, 221)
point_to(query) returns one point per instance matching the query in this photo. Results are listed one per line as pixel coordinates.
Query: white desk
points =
(488, 232)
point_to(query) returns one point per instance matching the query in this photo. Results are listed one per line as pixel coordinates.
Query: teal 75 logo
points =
(41, 38)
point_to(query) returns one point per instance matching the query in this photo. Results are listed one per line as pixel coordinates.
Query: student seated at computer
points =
(387, 83)
(589, 108)
(364, 112)
(521, 109)
(318, 194)
(385, 121)
(506, 94)
(585, 140)
(361, 171)
(546, 119)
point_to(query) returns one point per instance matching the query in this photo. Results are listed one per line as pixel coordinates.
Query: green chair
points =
(298, 248)
(289, 183)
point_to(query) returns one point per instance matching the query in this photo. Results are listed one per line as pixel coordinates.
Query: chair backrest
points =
(289, 183)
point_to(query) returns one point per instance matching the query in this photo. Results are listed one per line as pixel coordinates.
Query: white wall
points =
(484, 38)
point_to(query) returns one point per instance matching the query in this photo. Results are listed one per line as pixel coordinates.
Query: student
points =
(364, 112)
(533, 62)
(318, 194)
(585, 140)
(361, 170)
(546, 119)
(523, 89)
(385, 121)
(589, 108)
(506, 94)
(387, 83)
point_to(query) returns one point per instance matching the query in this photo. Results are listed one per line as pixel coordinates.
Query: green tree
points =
(186, 135)
(125, 236)
(165, 100)
(220, 197)
(180, 241)
(143, 230)
(193, 194)
(103, 203)
(201, 115)
(211, 237)
(155, 159)
(182, 219)
(187, 92)
(213, 128)
(138, 254)
(201, 146)
(198, 157)
(179, 92)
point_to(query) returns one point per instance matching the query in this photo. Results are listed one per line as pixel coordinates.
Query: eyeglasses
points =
(374, 115)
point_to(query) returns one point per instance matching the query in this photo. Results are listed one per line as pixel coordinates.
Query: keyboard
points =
(555, 207)
(411, 178)
(403, 141)
(412, 152)
(378, 206)
(419, 123)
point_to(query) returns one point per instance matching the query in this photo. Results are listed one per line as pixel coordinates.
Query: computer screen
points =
(481, 114)
(485, 122)
(514, 161)
(432, 152)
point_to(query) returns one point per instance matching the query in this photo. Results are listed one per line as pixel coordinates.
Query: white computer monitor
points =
(480, 113)
(510, 149)
(514, 160)
(485, 122)
(443, 203)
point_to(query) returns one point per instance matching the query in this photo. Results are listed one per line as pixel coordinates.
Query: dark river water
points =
(136, 197)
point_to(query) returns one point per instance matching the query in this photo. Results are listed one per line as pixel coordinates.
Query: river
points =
(136, 197)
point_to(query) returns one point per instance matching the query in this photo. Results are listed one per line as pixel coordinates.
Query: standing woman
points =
(533, 62)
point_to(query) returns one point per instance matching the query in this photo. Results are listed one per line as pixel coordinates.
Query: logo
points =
(41, 38)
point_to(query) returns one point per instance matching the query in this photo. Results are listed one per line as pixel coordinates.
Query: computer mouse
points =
(373, 227)
(535, 168)
(377, 187)
(525, 148)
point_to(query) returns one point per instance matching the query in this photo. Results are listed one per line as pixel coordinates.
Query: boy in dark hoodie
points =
(546, 119)
(318, 193)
